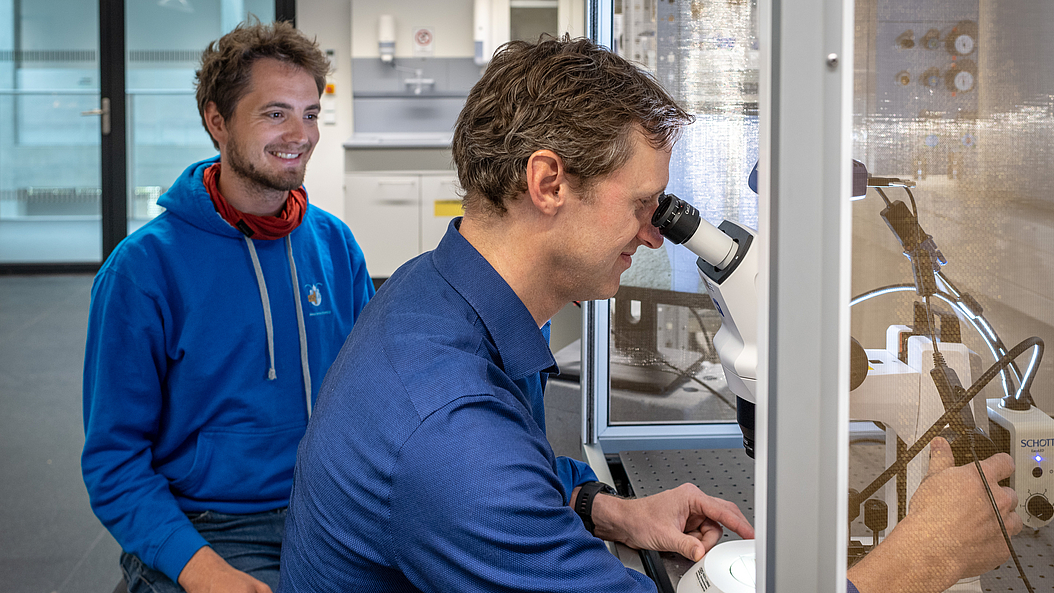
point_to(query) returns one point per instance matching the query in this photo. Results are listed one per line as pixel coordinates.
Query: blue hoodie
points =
(195, 395)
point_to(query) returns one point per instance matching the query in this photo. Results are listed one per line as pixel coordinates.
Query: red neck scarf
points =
(251, 225)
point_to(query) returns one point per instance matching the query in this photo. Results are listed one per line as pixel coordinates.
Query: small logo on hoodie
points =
(314, 295)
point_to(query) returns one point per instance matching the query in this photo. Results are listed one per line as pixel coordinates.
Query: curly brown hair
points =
(226, 64)
(572, 97)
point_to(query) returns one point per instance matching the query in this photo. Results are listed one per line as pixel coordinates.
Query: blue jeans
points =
(250, 543)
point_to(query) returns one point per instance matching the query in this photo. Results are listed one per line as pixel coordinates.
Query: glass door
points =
(49, 149)
(95, 125)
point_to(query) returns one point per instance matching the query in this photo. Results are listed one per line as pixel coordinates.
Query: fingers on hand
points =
(1009, 501)
(722, 512)
(710, 539)
(694, 545)
(998, 467)
(735, 521)
(941, 457)
(1013, 523)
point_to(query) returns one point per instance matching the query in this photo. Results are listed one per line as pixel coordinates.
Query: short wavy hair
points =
(572, 97)
(226, 64)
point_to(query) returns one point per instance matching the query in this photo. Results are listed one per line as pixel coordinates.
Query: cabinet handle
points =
(398, 182)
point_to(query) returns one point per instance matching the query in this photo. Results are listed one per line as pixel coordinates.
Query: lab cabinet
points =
(397, 216)
(440, 203)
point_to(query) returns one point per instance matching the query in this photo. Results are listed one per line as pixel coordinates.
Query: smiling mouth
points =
(286, 155)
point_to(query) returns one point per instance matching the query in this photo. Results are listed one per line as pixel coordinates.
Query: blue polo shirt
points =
(425, 466)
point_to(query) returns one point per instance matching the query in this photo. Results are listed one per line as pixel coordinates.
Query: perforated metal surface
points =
(729, 474)
(724, 473)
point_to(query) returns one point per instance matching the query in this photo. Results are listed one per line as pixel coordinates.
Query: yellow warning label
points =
(448, 208)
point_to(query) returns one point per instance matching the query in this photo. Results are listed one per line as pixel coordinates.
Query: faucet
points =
(419, 83)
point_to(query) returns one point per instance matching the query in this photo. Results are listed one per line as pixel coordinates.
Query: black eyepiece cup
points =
(676, 219)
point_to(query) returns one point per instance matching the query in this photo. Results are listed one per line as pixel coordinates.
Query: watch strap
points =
(584, 501)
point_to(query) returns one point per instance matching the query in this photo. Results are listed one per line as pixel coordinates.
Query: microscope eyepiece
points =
(676, 219)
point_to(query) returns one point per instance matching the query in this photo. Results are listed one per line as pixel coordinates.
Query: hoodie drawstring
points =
(271, 375)
(300, 325)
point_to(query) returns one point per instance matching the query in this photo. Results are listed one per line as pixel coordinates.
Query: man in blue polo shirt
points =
(426, 466)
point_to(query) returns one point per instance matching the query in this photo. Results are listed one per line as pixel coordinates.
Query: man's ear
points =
(215, 123)
(546, 181)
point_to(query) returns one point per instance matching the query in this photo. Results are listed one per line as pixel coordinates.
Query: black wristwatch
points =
(584, 501)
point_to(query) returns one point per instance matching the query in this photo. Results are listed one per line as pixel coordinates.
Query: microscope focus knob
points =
(1039, 507)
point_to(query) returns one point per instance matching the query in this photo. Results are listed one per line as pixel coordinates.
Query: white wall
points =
(349, 28)
(451, 21)
(329, 21)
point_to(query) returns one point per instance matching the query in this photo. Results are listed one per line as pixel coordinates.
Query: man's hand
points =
(207, 572)
(682, 520)
(950, 532)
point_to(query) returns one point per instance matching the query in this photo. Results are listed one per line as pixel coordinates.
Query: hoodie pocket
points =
(240, 465)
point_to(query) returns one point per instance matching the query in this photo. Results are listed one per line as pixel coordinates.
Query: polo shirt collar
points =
(523, 347)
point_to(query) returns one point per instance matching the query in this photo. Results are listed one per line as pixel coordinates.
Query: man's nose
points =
(296, 131)
(649, 235)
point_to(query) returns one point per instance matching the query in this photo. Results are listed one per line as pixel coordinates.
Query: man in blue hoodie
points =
(212, 327)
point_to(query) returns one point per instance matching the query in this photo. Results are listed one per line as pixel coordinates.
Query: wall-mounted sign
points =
(424, 42)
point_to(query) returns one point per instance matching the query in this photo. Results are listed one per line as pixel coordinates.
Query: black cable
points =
(967, 397)
(914, 208)
(929, 325)
(948, 417)
(999, 517)
(654, 568)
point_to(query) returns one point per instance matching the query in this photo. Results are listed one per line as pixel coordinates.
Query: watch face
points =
(964, 81)
(964, 44)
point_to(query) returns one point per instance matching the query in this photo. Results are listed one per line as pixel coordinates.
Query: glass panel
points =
(165, 40)
(49, 152)
(529, 20)
(663, 365)
(954, 107)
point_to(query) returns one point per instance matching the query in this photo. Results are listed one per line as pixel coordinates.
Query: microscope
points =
(913, 387)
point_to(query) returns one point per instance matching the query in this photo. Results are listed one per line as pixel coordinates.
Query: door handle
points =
(104, 111)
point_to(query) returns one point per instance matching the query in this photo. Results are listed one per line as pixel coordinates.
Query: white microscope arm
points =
(729, 268)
